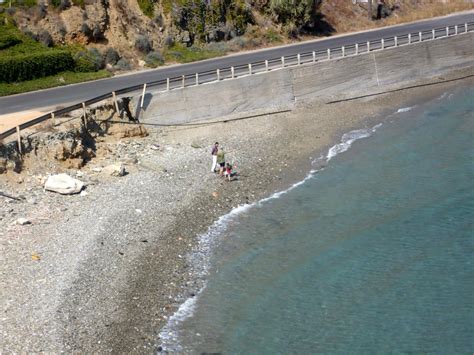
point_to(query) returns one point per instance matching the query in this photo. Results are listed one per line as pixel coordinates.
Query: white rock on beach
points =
(63, 184)
(22, 221)
(114, 170)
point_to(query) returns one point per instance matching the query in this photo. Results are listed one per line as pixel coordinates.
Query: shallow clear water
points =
(372, 254)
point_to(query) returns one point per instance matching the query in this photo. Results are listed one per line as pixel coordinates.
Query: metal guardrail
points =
(252, 68)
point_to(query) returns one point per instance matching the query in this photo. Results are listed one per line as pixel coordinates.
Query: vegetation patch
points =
(147, 7)
(182, 54)
(60, 79)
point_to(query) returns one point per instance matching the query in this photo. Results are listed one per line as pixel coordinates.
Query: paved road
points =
(81, 92)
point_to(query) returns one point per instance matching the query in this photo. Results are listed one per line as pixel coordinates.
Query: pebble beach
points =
(103, 271)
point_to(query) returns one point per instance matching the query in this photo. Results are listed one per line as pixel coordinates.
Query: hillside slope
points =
(151, 32)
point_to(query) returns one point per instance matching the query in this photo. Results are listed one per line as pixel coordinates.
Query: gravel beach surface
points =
(104, 270)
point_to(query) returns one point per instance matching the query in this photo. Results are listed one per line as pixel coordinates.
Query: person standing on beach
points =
(214, 150)
(221, 160)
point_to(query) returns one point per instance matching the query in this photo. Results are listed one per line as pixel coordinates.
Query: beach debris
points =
(22, 221)
(83, 193)
(154, 146)
(138, 210)
(63, 184)
(9, 196)
(97, 169)
(115, 170)
(35, 256)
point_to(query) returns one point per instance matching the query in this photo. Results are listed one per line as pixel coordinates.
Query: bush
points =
(86, 30)
(97, 34)
(154, 59)
(169, 42)
(111, 56)
(294, 14)
(8, 40)
(45, 38)
(147, 7)
(122, 64)
(88, 61)
(142, 44)
(64, 4)
(35, 65)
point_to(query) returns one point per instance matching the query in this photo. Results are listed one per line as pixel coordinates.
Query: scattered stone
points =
(96, 170)
(83, 193)
(115, 170)
(155, 147)
(22, 221)
(63, 184)
(138, 210)
(195, 145)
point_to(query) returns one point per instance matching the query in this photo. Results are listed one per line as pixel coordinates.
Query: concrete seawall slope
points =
(364, 74)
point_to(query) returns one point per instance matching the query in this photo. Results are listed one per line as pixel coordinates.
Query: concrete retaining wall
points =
(280, 89)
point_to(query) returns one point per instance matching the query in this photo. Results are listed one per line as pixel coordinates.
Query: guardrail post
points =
(456, 29)
(143, 96)
(52, 119)
(232, 73)
(368, 46)
(420, 37)
(167, 84)
(382, 43)
(395, 41)
(18, 139)
(298, 58)
(329, 53)
(250, 69)
(343, 50)
(282, 62)
(218, 73)
(433, 34)
(409, 38)
(447, 31)
(266, 65)
(197, 79)
(356, 48)
(115, 102)
(183, 78)
(84, 116)
(314, 57)
(465, 27)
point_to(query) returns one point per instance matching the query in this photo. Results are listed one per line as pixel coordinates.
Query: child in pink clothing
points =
(228, 171)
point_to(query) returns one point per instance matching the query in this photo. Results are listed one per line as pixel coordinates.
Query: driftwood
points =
(10, 196)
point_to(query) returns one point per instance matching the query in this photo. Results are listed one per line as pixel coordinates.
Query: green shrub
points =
(142, 44)
(294, 14)
(45, 38)
(34, 65)
(88, 61)
(122, 64)
(8, 40)
(147, 7)
(154, 59)
(111, 56)
(200, 19)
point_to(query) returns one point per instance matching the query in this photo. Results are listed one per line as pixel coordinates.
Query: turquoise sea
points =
(372, 254)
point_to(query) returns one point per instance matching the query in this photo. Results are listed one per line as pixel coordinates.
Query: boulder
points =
(63, 184)
(115, 170)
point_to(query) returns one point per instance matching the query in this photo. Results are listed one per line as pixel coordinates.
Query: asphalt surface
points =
(65, 95)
